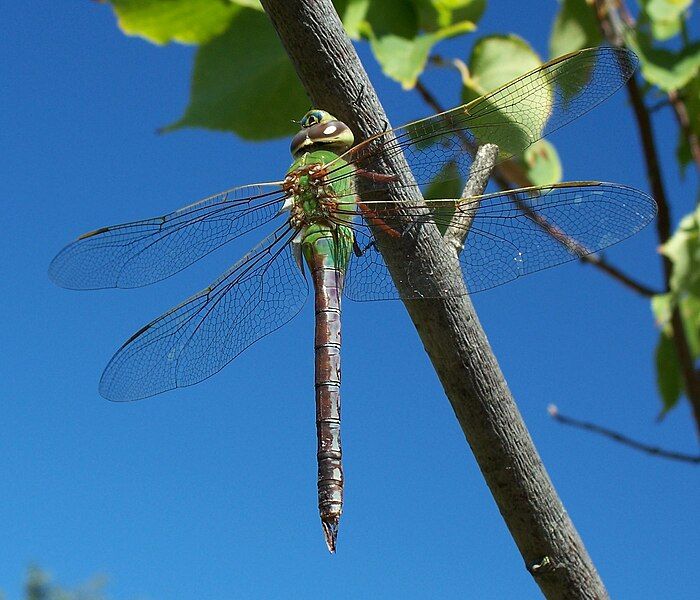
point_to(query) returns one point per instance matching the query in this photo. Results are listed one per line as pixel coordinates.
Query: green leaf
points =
(663, 68)
(185, 21)
(392, 17)
(690, 313)
(668, 370)
(542, 164)
(353, 14)
(683, 250)
(683, 154)
(664, 10)
(665, 16)
(465, 10)
(403, 32)
(403, 59)
(662, 306)
(575, 28)
(436, 14)
(669, 378)
(447, 184)
(665, 30)
(243, 82)
(255, 4)
(495, 61)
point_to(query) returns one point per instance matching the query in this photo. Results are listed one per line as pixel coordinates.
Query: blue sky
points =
(209, 492)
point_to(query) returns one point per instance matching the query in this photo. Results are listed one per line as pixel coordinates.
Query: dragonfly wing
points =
(508, 234)
(368, 277)
(196, 339)
(513, 117)
(143, 252)
(516, 233)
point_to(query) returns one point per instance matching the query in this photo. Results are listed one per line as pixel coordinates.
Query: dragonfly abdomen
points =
(327, 274)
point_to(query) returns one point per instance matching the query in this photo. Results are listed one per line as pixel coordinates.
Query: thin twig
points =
(622, 439)
(508, 172)
(428, 97)
(484, 161)
(597, 261)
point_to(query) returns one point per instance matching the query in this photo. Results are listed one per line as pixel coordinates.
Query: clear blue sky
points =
(209, 492)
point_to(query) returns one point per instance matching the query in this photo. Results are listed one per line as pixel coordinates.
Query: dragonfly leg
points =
(374, 176)
(358, 251)
(377, 221)
(356, 102)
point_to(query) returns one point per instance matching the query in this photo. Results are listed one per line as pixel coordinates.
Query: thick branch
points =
(330, 70)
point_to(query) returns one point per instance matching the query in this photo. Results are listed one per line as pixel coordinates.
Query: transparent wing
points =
(513, 117)
(143, 252)
(194, 340)
(508, 234)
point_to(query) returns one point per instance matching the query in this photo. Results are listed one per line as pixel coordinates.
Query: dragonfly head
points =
(321, 131)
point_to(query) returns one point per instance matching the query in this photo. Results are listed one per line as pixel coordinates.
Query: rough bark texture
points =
(554, 554)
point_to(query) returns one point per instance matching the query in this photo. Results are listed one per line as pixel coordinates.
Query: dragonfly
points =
(324, 220)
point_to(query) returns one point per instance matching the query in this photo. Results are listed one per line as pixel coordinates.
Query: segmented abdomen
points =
(328, 286)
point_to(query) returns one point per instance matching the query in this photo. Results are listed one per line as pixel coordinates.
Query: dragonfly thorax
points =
(312, 198)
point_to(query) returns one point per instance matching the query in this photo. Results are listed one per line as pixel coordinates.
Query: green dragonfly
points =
(327, 213)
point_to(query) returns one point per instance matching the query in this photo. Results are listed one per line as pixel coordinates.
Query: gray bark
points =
(553, 552)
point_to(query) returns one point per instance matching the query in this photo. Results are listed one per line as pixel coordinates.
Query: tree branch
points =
(619, 437)
(612, 25)
(329, 68)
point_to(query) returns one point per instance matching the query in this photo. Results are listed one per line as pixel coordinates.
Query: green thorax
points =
(322, 209)
(339, 190)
